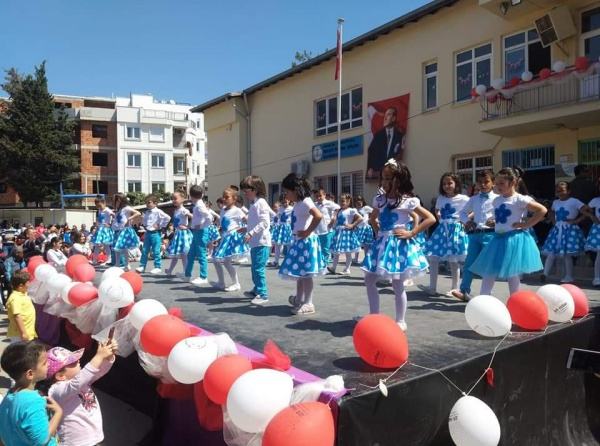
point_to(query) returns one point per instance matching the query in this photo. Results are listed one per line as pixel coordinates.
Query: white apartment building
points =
(161, 145)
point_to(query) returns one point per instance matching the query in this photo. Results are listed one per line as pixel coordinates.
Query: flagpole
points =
(339, 113)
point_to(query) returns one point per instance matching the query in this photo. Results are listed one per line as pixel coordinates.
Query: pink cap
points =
(59, 357)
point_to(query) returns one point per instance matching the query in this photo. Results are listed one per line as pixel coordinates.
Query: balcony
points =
(571, 102)
(509, 11)
(97, 114)
(176, 119)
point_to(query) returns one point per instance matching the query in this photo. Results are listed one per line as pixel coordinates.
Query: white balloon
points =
(144, 310)
(527, 76)
(57, 282)
(111, 273)
(559, 301)
(44, 271)
(115, 293)
(488, 316)
(559, 66)
(473, 423)
(64, 293)
(257, 396)
(498, 83)
(190, 358)
(480, 89)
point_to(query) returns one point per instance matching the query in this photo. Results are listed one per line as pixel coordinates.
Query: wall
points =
(49, 216)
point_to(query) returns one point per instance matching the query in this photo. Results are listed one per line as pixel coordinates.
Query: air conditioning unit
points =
(555, 26)
(300, 168)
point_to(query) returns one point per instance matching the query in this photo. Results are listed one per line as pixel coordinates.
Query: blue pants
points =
(477, 241)
(198, 250)
(260, 256)
(325, 241)
(152, 241)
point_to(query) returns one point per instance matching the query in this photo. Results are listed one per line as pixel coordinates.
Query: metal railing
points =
(571, 90)
(163, 114)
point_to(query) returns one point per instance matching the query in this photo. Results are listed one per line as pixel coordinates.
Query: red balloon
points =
(582, 305)
(545, 73)
(380, 342)
(160, 334)
(73, 262)
(135, 280)
(528, 310)
(33, 263)
(473, 93)
(515, 81)
(221, 374)
(84, 272)
(210, 415)
(82, 293)
(492, 99)
(582, 63)
(301, 424)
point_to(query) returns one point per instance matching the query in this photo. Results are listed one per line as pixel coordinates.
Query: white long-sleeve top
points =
(328, 209)
(155, 219)
(57, 259)
(259, 222)
(201, 216)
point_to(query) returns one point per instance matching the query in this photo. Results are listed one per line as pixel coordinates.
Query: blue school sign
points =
(349, 147)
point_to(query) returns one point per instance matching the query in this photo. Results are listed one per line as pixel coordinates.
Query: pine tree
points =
(36, 140)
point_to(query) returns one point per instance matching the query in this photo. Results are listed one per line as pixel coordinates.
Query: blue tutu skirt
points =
(448, 242)
(213, 233)
(394, 258)
(303, 259)
(344, 241)
(507, 255)
(592, 243)
(568, 241)
(103, 236)
(232, 246)
(180, 243)
(281, 234)
(127, 239)
(365, 235)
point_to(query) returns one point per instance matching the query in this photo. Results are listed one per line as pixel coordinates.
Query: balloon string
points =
(490, 364)
(441, 373)
(384, 379)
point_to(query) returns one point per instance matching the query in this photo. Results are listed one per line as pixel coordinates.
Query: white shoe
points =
(409, 282)
(233, 287)
(199, 281)
(596, 282)
(346, 272)
(259, 300)
(156, 271)
(140, 269)
(567, 279)
(402, 325)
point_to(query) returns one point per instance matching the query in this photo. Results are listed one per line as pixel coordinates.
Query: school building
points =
(543, 114)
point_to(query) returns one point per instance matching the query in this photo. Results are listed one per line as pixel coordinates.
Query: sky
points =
(190, 51)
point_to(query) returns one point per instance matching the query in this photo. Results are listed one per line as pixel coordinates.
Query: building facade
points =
(430, 60)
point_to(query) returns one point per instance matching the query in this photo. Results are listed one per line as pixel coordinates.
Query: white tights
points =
(230, 269)
(487, 284)
(373, 295)
(174, 261)
(304, 290)
(336, 259)
(434, 264)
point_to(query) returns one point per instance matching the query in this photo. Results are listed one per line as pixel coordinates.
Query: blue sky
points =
(190, 51)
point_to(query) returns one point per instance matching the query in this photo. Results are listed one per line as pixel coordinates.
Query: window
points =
(473, 67)
(198, 169)
(197, 147)
(134, 186)
(134, 160)
(466, 168)
(529, 159)
(590, 34)
(132, 133)
(156, 134)
(158, 161)
(100, 187)
(100, 159)
(326, 112)
(430, 86)
(524, 52)
(179, 166)
(352, 183)
(158, 187)
(99, 131)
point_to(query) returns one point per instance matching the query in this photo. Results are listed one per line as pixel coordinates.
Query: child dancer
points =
(512, 251)
(213, 229)
(155, 220)
(232, 246)
(449, 241)
(592, 243)
(181, 241)
(323, 230)
(258, 235)
(124, 235)
(364, 231)
(282, 231)
(103, 237)
(395, 255)
(201, 220)
(566, 237)
(475, 216)
(304, 259)
(345, 241)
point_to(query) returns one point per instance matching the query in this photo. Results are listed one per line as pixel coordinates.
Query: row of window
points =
(158, 162)
(155, 134)
(352, 183)
(157, 186)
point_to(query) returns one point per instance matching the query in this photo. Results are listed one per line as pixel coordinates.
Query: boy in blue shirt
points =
(23, 416)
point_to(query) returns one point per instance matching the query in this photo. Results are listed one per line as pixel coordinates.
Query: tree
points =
(301, 57)
(36, 141)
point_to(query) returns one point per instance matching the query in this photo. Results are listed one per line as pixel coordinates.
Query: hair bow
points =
(392, 162)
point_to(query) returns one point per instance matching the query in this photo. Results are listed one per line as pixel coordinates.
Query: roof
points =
(411, 17)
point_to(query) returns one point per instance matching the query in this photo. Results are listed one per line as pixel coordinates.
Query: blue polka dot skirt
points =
(592, 243)
(448, 242)
(103, 236)
(213, 233)
(232, 246)
(180, 243)
(303, 259)
(420, 238)
(507, 255)
(281, 234)
(344, 240)
(365, 235)
(394, 258)
(127, 239)
(565, 240)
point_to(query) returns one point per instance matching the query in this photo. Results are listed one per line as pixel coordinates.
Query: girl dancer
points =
(364, 231)
(181, 241)
(124, 235)
(103, 237)
(304, 259)
(512, 251)
(592, 243)
(213, 229)
(282, 231)
(395, 255)
(345, 241)
(327, 208)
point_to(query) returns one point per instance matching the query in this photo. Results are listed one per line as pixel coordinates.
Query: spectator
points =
(582, 187)
(32, 245)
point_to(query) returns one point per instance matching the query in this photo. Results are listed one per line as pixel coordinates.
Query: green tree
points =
(136, 198)
(301, 57)
(36, 141)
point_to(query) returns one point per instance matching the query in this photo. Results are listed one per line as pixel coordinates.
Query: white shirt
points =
(232, 219)
(595, 204)
(398, 217)
(345, 217)
(120, 220)
(364, 211)
(81, 248)
(155, 217)
(510, 210)
(213, 214)
(201, 217)
(450, 207)
(482, 206)
(56, 258)
(567, 209)
(181, 217)
(103, 216)
(327, 208)
(259, 222)
(301, 216)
